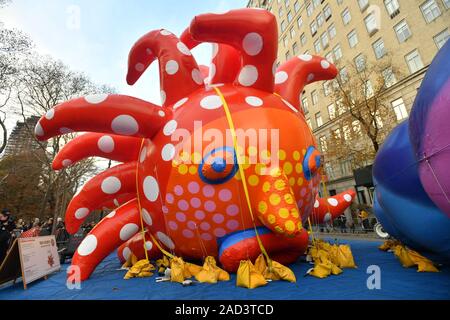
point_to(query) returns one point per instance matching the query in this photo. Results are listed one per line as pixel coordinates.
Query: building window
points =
(356, 126)
(389, 77)
(286, 3)
(305, 104)
(378, 48)
(346, 17)
(283, 26)
(414, 61)
(371, 24)
(339, 2)
(324, 38)
(430, 10)
(360, 62)
(316, 3)
(363, 4)
(289, 17)
(299, 22)
(285, 41)
(441, 38)
(319, 121)
(352, 38)
(314, 97)
(331, 111)
(295, 48)
(308, 121)
(332, 31)
(303, 39)
(327, 12)
(313, 27)
(323, 143)
(402, 31)
(392, 7)
(309, 9)
(399, 109)
(446, 3)
(317, 46)
(280, 13)
(343, 74)
(337, 52)
(320, 19)
(292, 32)
(329, 57)
(297, 6)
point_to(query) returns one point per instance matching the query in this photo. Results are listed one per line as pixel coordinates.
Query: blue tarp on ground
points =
(396, 283)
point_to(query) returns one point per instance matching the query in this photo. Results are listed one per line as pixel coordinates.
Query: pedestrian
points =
(6, 227)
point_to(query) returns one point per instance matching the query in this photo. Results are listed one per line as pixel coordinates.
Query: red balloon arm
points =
(327, 209)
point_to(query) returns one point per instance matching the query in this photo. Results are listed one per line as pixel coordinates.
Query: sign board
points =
(31, 258)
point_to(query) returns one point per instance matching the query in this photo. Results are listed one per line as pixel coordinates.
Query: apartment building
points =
(411, 31)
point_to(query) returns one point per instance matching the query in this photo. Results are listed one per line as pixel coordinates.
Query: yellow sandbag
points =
(211, 273)
(423, 264)
(321, 270)
(388, 244)
(335, 269)
(177, 270)
(248, 276)
(261, 267)
(283, 272)
(144, 274)
(345, 257)
(193, 269)
(402, 254)
(163, 262)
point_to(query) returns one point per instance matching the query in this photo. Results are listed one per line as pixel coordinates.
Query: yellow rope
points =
(241, 172)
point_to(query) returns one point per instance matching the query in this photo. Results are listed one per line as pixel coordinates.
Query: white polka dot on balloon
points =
(147, 217)
(81, 213)
(316, 204)
(254, 101)
(212, 71)
(125, 125)
(165, 32)
(332, 202)
(248, 75)
(211, 102)
(66, 162)
(310, 77)
(106, 144)
(127, 231)
(126, 253)
(163, 96)
(151, 188)
(281, 77)
(96, 98)
(161, 113)
(347, 197)
(168, 152)
(148, 245)
(111, 214)
(183, 49)
(50, 114)
(170, 127)
(139, 67)
(252, 43)
(171, 67)
(180, 103)
(88, 245)
(111, 185)
(197, 76)
(305, 57)
(325, 64)
(38, 130)
(165, 240)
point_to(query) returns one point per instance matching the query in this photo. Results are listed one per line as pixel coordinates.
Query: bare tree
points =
(44, 83)
(362, 110)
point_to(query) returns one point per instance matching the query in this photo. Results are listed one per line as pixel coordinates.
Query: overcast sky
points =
(95, 36)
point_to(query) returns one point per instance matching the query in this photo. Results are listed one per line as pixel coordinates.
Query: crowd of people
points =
(10, 229)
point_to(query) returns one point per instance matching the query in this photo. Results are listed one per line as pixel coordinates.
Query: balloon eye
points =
(218, 166)
(311, 162)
